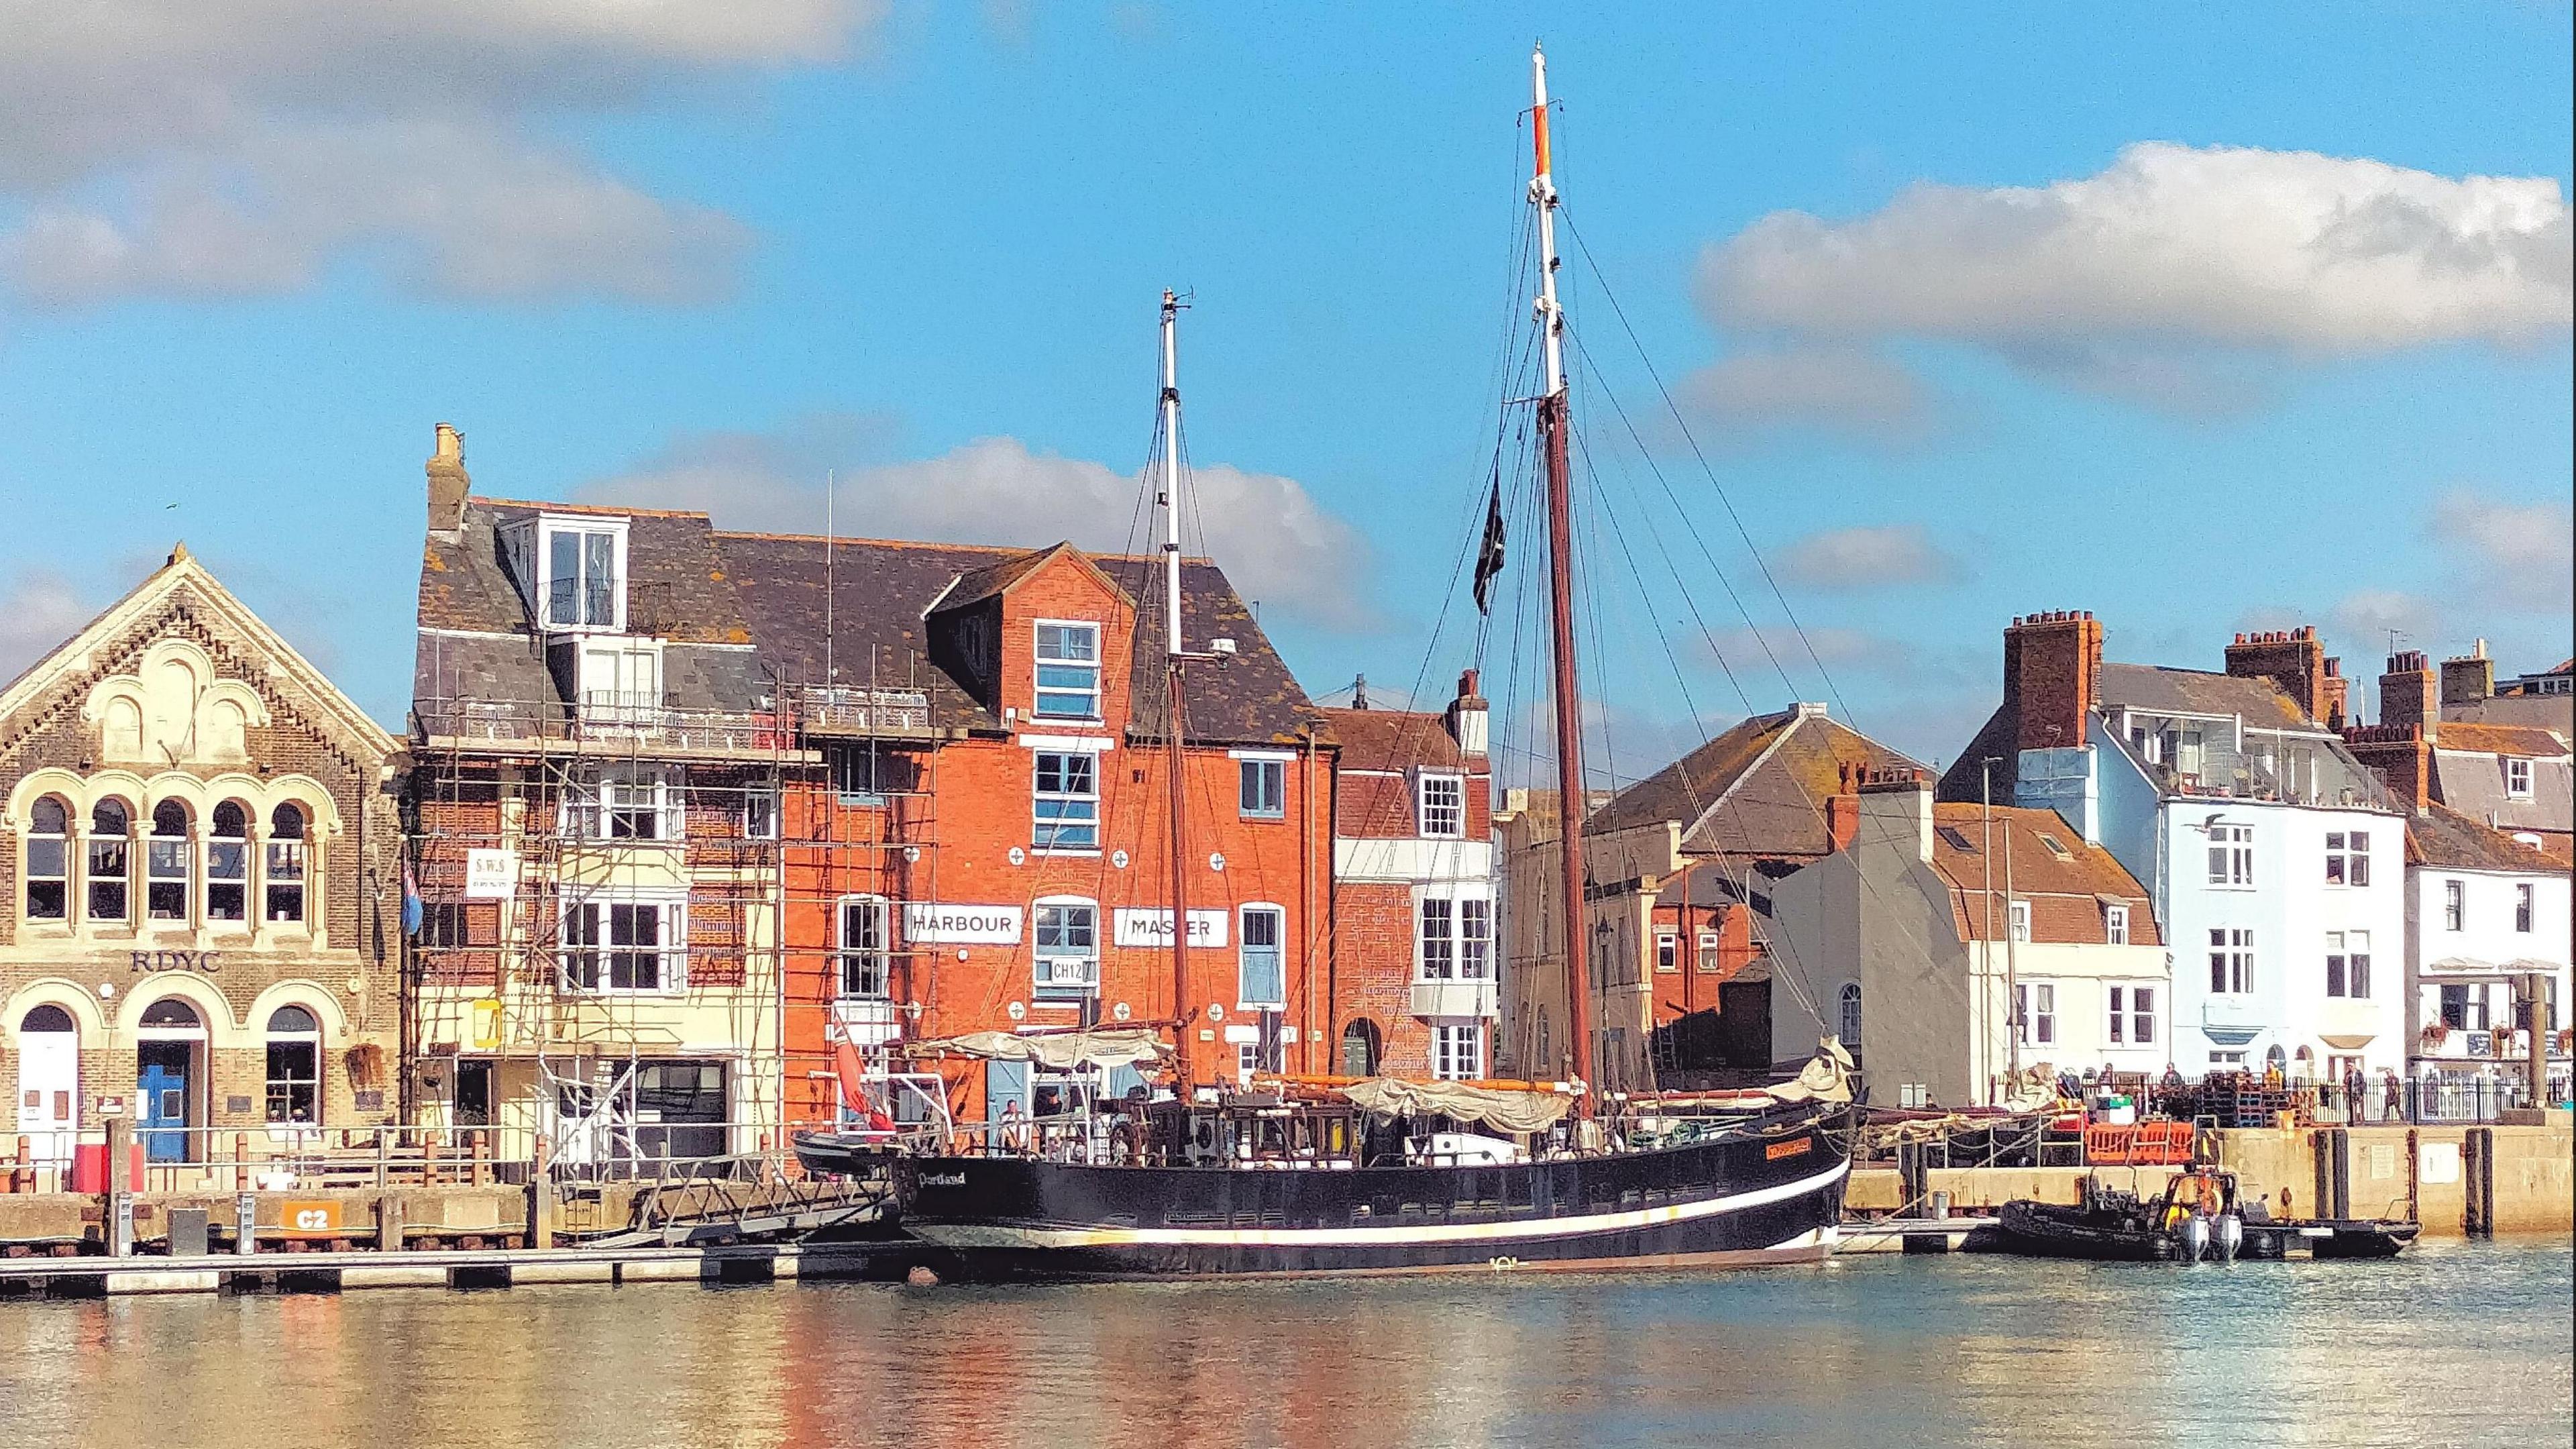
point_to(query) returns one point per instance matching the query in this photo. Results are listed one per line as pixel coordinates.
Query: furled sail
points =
(1498, 1108)
(1057, 1051)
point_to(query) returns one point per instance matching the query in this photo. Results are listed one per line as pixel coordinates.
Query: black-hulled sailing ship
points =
(1322, 1175)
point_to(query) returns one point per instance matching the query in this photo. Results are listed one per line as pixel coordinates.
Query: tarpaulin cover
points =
(1827, 1077)
(1059, 1051)
(1505, 1111)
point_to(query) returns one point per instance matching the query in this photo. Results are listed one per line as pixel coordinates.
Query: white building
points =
(2274, 857)
(2484, 911)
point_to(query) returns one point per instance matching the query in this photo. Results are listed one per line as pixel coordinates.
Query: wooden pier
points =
(329, 1272)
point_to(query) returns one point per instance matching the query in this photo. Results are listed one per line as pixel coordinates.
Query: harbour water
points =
(2452, 1344)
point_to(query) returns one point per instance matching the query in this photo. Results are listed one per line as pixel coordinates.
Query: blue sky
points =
(696, 262)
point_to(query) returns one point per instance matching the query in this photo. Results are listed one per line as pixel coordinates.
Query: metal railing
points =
(604, 717)
(848, 709)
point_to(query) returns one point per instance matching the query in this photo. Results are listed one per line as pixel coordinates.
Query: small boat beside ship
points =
(2198, 1217)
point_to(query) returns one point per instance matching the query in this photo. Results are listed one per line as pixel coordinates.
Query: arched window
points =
(171, 1013)
(294, 1066)
(1360, 1048)
(1851, 1015)
(110, 860)
(49, 861)
(228, 864)
(48, 1018)
(286, 863)
(165, 864)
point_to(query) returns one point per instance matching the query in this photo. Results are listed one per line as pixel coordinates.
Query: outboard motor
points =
(2193, 1235)
(2230, 1237)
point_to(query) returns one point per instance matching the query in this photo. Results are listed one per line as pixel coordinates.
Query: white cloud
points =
(2230, 245)
(1841, 387)
(1277, 544)
(2519, 555)
(2367, 615)
(38, 611)
(1884, 556)
(169, 148)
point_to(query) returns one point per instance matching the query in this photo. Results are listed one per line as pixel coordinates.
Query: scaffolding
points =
(743, 830)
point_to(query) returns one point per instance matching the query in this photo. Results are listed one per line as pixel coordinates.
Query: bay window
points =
(1453, 938)
(1458, 1051)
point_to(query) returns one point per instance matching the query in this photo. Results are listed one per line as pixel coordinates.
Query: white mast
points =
(1542, 189)
(1171, 491)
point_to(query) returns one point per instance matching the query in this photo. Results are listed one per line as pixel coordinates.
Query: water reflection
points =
(2453, 1343)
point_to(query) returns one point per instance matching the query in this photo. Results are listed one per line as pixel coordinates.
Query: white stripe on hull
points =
(985, 1235)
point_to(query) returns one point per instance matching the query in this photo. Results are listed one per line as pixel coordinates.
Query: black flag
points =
(1489, 553)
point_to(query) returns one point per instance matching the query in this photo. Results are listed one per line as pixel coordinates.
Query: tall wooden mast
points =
(1174, 657)
(1552, 424)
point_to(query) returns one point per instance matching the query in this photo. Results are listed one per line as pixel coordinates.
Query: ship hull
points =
(1735, 1202)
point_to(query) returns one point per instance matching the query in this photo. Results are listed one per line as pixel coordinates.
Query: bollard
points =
(245, 1223)
(241, 1162)
(120, 1229)
(389, 1222)
(541, 1198)
(1940, 1205)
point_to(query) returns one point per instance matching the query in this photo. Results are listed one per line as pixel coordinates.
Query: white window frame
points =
(2455, 904)
(1668, 952)
(2526, 906)
(863, 958)
(1708, 959)
(170, 866)
(2347, 971)
(2348, 857)
(2231, 960)
(2231, 855)
(1463, 940)
(228, 866)
(548, 528)
(1040, 661)
(289, 864)
(2017, 920)
(2131, 1018)
(760, 812)
(1242, 950)
(2115, 925)
(67, 845)
(2517, 778)
(598, 976)
(1453, 815)
(1457, 1051)
(611, 672)
(1063, 972)
(2038, 1002)
(2227, 1058)
(1047, 835)
(1847, 1017)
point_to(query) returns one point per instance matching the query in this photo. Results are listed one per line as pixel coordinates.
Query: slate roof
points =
(1393, 739)
(2149, 688)
(1759, 789)
(2442, 836)
(2066, 895)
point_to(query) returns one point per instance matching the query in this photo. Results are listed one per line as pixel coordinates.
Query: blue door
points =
(161, 1101)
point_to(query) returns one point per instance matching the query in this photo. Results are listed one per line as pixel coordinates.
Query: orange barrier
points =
(2147, 1144)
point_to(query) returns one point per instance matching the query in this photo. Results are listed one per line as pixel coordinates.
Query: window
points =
(2517, 779)
(286, 863)
(2231, 855)
(1264, 794)
(2018, 918)
(2115, 925)
(1068, 660)
(2464, 1008)
(1454, 938)
(2227, 1059)
(294, 1066)
(49, 861)
(623, 945)
(2348, 857)
(165, 864)
(2133, 1015)
(1068, 801)
(1068, 947)
(1668, 951)
(2187, 754)
(444, 924)
(1708, 957)
(581, 577)
(2348, 963)
(2231, 962)
(638, 805)
(109, 825)
(1850, 1015)
(2038, 1013)
(621, 683)
(228, 864)
(1441, 809)
(2055, 846)
(865, 960)
(2522, 906)
(2455, 904)
(1261, 971)
(760, 813)
(1458, 1052)
(864, 774)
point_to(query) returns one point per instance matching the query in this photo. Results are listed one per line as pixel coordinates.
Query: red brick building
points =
(1415, 973)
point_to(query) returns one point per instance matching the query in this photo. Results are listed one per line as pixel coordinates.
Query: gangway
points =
(694, 1203)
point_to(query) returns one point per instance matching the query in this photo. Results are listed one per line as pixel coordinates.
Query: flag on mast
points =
(1489, 553)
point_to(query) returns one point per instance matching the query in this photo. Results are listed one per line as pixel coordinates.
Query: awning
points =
(2462, 963)
(2347, 1042)
(1057, 1051)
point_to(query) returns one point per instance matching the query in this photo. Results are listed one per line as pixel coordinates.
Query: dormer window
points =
(571, 569)
(2517, 779)
(1068, 671)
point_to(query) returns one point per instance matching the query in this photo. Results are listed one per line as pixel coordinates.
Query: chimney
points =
(1468, 714)
(2409, 694)
(2337, 694)
(2293, 659)
(2468, 680)
(2053, 675)
(448, 484)
(2401, 755)
(1842, 810)
(1896, 808)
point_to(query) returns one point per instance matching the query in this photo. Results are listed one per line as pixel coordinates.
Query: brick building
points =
(197, 906)
(1414, 980)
